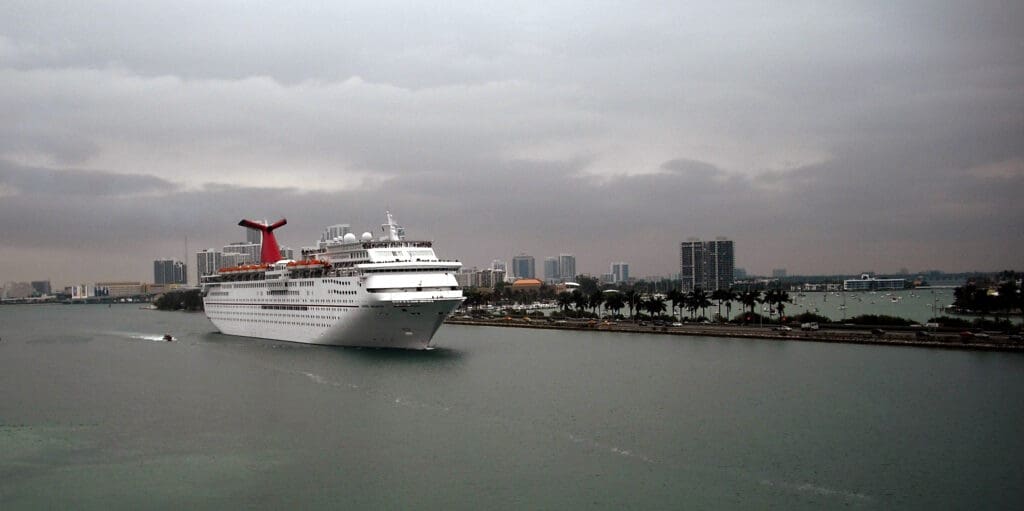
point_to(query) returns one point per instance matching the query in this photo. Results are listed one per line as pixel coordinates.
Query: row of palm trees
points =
(691, 301)
(637, 301)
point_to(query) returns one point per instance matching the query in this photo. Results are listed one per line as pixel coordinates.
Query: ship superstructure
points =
(387, 292)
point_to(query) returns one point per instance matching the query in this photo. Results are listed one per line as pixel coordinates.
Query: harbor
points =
(97, 409)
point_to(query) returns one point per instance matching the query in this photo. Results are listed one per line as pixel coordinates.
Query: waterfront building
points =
(523, 267)
(16, 290)
(489, 278)
(551, 273)
(229, 259)
(250, 249)
(333, 233)
(208, 261)
(566, 267)
(526, 284)
(169, 271)
(115, 289)
(83, 291)
(620, 272)
(868, 283)
(779, 273)
(287, 253)
(41, 287)
(253, 236)
(706, 265)
(465, 278)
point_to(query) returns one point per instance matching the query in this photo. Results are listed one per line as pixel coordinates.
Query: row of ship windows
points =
(274, 315)
(267, 321)
(338, 292)
(339, 282)
(255, 285)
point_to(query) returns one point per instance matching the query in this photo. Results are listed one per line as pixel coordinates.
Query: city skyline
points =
(823, 139)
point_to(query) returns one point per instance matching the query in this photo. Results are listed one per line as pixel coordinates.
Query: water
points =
(97, 414)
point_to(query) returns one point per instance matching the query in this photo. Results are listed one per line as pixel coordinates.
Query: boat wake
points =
(142, 336)
(816, 490)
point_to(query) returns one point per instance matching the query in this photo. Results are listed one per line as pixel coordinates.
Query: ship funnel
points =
(270, 252)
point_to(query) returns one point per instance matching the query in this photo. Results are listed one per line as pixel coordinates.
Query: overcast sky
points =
(823, 137)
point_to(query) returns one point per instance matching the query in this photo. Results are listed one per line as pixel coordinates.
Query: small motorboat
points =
(167, 337)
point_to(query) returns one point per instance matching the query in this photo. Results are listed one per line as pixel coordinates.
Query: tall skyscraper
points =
(253, 236)
(208, 261)
(336, 231)
(551, 273)
(249, 249)
(620, 272)
(523, 267)
(169, 271)
(41, 287)
(706, 265)
(567, 266)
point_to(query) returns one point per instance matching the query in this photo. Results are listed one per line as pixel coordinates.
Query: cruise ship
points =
(387, 292)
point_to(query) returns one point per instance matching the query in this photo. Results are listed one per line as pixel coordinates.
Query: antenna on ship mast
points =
(392, 231)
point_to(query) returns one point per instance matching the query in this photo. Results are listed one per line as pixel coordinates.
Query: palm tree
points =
(721, 295)
(632, 298)
(689, 301)
(564, 301)
(580, 300)
(595, 300)
(655, 306)
(781, 299)
(728, 303)
(701, 301)
(750, 299)
(615, 302)
(676, 297)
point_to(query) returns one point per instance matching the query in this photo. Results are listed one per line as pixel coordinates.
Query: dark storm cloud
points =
(822, 137)
(42, 183)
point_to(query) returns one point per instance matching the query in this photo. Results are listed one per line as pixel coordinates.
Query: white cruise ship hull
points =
(384, 325)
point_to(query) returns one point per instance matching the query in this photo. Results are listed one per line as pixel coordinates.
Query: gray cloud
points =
(823, 138)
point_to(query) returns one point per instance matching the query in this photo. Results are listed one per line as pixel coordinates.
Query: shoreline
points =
(846, 336)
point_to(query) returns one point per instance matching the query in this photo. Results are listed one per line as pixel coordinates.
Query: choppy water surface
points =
(96, 412)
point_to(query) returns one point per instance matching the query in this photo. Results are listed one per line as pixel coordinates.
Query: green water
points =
(95, 413)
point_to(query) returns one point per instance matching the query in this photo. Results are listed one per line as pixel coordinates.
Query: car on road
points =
(677, 324)
(783, 328)
(808, 326)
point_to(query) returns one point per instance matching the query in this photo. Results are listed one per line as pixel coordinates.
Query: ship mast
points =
(392, 231)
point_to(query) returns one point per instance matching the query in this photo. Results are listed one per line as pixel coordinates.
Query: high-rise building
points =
(250, 249)
(498, 264)
(41, 287)
(551, 273)
(706, 265)
(333, 233)
(567, 266)
(620, 272)
(523, 267)
(229, 259)
(287, 253)
(778, 273)
(208, 261)
(253, 236)
(169, 271)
